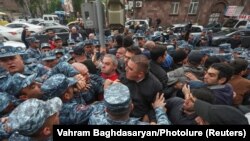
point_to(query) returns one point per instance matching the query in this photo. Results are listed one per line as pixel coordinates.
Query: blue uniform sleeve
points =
(161, 116)
(64, 68)
(73, 113)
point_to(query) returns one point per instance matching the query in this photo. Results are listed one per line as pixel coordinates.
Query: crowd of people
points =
(130, 81)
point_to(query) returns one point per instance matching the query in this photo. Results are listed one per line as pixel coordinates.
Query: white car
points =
(11, 34)
(195, 30)
(31, 27)
(142, 23)
(47, 24)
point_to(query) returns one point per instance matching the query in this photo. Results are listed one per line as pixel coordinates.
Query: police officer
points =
(34, 119)
(33, 50)
(118, 106)
(49, 59)
(24, 87)
(45, 47)
(60, 86)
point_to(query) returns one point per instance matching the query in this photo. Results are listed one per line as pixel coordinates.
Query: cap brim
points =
(55, 105)
(29, 80)
(48, 58)
(8, 55)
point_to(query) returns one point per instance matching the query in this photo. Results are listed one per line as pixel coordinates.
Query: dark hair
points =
(204, 94)
(155, 53)
(179, 55)
(211, 60)
(142, 63)
(119, 40)
(239, 65)
(135, 50)
(128, 41)
(225, 71)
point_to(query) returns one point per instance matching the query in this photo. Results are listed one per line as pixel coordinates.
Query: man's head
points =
(51, 33)
(49, 59)
(91, 36)
(218, 114)
(204, 94)
(33, 42)
(59, 86)
(58, 42)
(195, 58)
(10, 60)
(120, 53)
(45, 47)
(109, 64)
(158, 54)
(150, 45)
(239, 66)
(88, 46)
(117, 100)
(137, 67)
(218, 74)
(35, 118)
(131, 51)
(24, 87)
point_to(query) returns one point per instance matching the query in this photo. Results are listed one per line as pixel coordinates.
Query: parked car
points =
(178, 28)
(143, 24)
(61, 31)
(51, 18)
(11, 34)
(47, 24)
(224, 36)
(31, 27)
(215, 27)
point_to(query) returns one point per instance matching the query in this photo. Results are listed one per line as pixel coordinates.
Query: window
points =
(175, 7)
(214, 17)
(193, 7)
(241, 23)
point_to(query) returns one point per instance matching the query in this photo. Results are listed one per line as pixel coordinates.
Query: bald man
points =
(150, 45)
(95, 82)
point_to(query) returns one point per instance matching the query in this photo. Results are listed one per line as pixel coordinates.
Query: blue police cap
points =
(59, 51)
(224, 56)
(96, 42)
(66, 58)
(32, 40)
(71, 42)
(45, 45)
(79, 49)
(4, 100)
(18, 82)
(117, 98)
(225, 46)
(48, 56)
(88, 42)
(8, 51)
(56, 85)
(28, 117)
(139, 35)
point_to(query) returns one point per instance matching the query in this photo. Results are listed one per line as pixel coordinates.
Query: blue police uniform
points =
(72, 112)
(117, 100)
(31, 115)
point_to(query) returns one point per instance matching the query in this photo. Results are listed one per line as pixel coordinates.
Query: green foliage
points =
(55, 5)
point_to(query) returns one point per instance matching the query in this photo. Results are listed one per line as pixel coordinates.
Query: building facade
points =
(182, 11)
